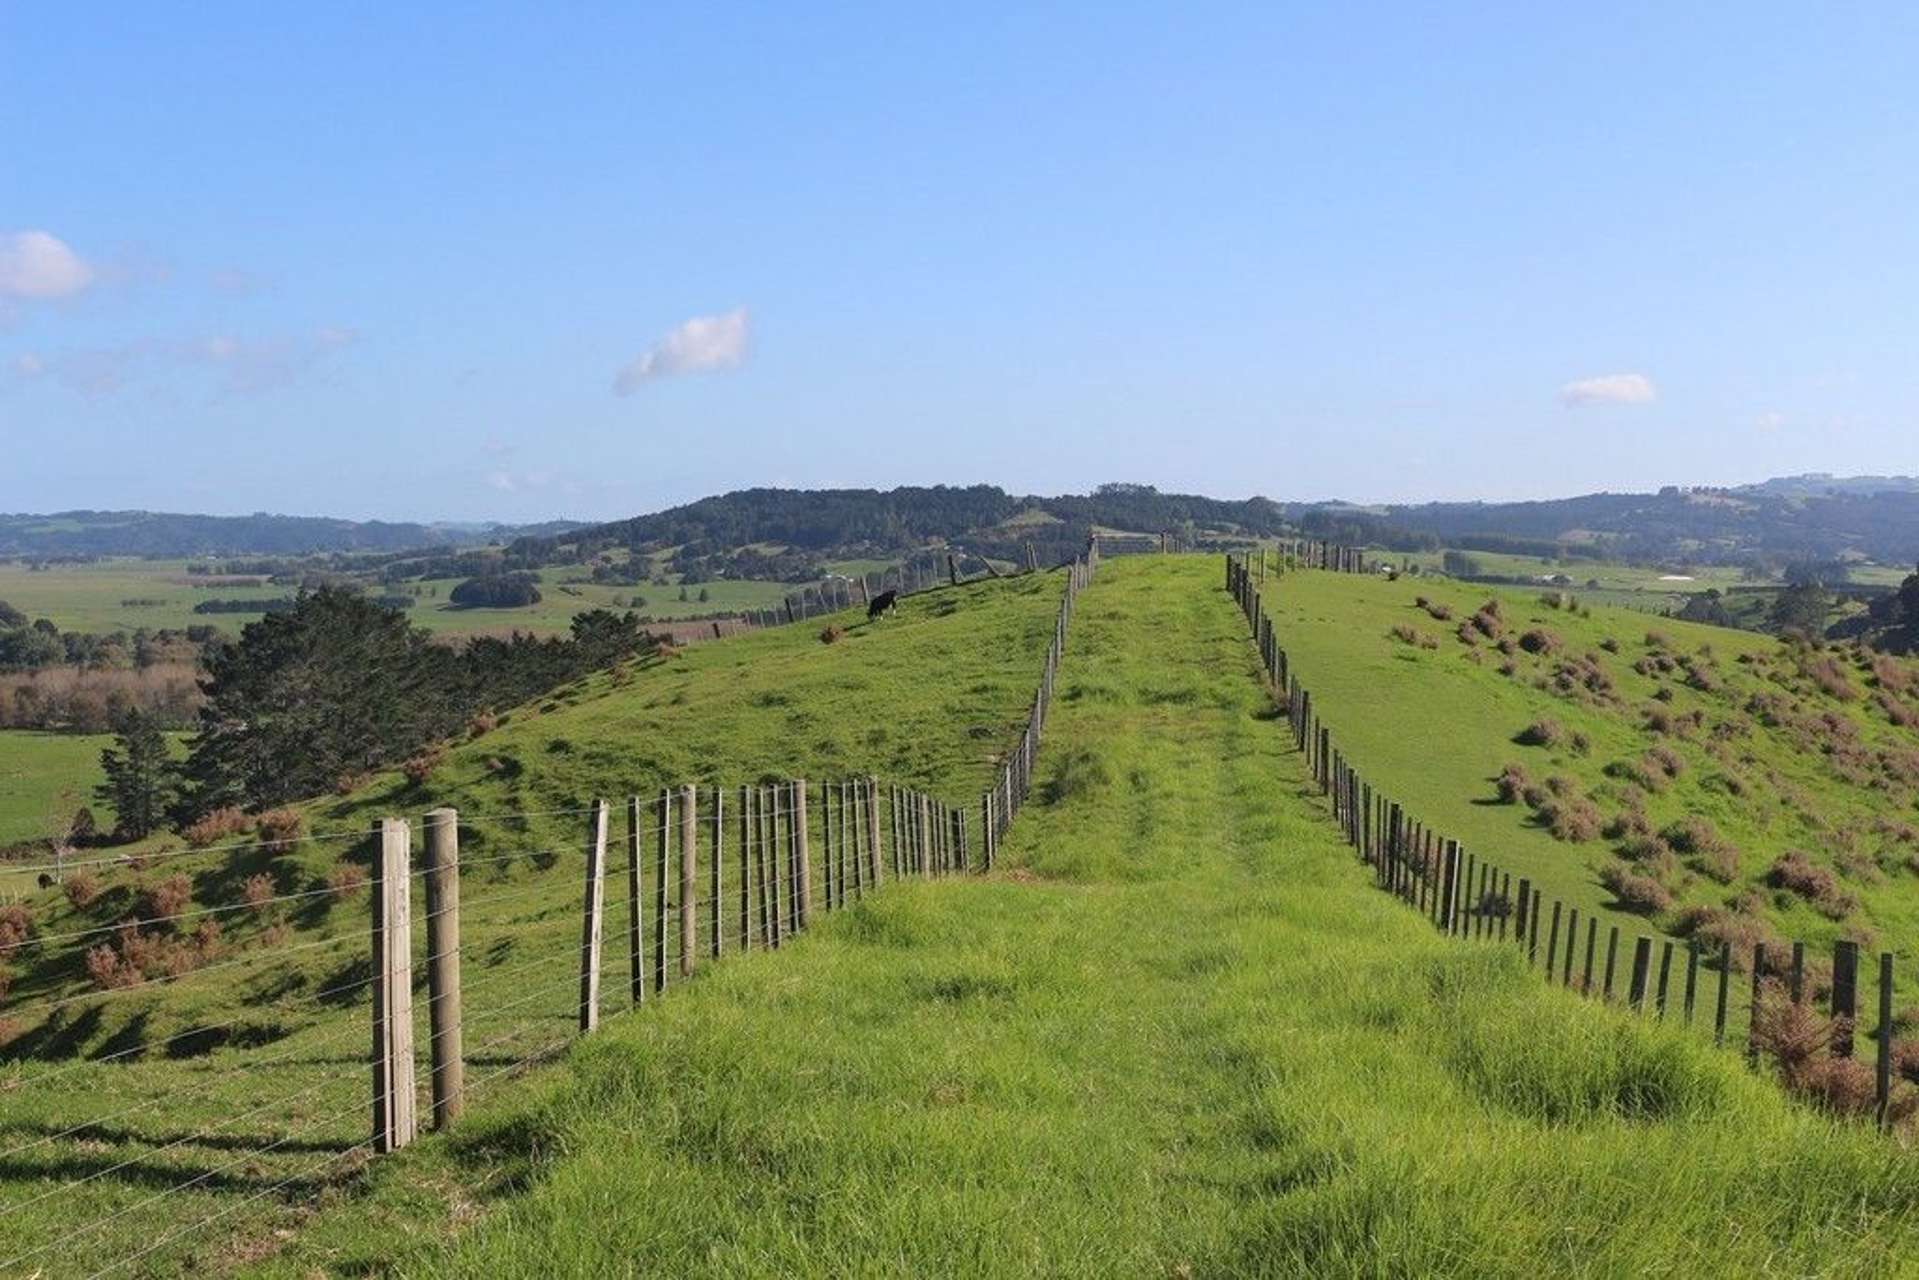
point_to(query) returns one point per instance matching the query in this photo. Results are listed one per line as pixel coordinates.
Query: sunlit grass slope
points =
(252, 1070)
(1177, 1034)
(1774, 748)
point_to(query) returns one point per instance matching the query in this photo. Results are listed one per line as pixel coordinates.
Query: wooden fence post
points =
(443, 964)
(745, 799)
(1641, 967)
(665, 844)
(873, 830)
(718, 878)
(395, 1119)
(802, 853)
(1552, 943)
(1883, 1075)
(591, 919)
(689, 886)
(635, 899)
(1665, 973)
(1845, 996)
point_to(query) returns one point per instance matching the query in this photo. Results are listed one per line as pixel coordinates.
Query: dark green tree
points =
(142, 777)
(1801, 608)
(336, 685)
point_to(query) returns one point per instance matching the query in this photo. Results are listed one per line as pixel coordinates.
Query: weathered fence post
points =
(689, 888)
(718, 878)
(592, 918)
(1883, 1075)
(1636, 984)
(802, 854)
(1845, 996)
(443, 964)
(746, 868)
(635, 899)
(659, 890)
(873, 830)
(394, 1116)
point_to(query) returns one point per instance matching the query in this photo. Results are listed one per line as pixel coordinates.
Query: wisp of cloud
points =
(700, 345)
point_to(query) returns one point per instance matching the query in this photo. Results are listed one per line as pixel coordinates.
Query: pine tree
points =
(142, 777)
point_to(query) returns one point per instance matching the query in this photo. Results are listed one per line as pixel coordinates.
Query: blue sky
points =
(487, 262)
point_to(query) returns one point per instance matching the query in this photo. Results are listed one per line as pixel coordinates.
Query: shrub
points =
(164, 900)
(1796, 873)
(481, 723)
(1512, 783)
(280, 829)
(1573, 819)
(106, 972)
(1642, 894)
(1413, 636)
(1666, 760)
(1439, 612)
(257, 891)
(347, 783)
(832, 633)
(346, 879)
(217, 825)
(82, 889)
(1630, 821)
(16, 926)
(1707, 851)
(1539, 640)
(420, 766)
(1543, 732)
(1658, 640)
(1609, 644)
(1581, 744)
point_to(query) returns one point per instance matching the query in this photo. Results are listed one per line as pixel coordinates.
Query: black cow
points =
(884, 602)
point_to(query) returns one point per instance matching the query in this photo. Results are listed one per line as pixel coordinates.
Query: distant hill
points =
(167, 535)
(1798, 518)
(787, 533)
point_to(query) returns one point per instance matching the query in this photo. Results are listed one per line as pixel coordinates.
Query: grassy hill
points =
(1693, 756)
(1178, 1033)
(245, 1077)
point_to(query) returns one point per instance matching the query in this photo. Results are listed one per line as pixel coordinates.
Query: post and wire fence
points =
(1467, 895)
(203, 1047)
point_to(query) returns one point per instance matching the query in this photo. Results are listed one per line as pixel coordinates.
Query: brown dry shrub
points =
(1543, 732)
(1707, 851)
(1609, 644)
(82, 889)
(1413, 636)
(280, 829)
(481, 723)
(1796, 873)
(1512, 783)
(105, 971)
(163, 900)
(16, 926)
(1658, 640)
(257, 891)
(276, 934)
(832, 633)
(1666, 760)
(1831, 678)
(217, 825)
(1573, 819)
(1438, 612)
(420, 766)
(346, 879)
(347, 783)
(1635, 892)
(1628, 822)
(1540, 640)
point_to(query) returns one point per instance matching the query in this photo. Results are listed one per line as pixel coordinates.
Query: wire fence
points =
(201, 1043)
(1753, 996)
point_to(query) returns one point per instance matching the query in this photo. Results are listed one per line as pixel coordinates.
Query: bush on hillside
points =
(1540, 641)
(1544, 732)
(1638, 893)
(219, 824)
(1798, 874)
(497, 591)
(82, 889)
(1512, 784)
(280, 829)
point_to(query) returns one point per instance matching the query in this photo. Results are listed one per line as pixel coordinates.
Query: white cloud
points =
(1610, 388)
(701, 345)
(29, 365)
(34, 264)
(1771, 421)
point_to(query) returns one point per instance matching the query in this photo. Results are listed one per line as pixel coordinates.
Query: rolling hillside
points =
(1178, 1034)
(235, 1081)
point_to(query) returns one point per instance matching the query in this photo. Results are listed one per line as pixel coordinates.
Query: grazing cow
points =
(884, 602)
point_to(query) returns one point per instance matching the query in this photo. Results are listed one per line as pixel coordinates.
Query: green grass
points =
(44, 778)
(1179, 1034)
(1432, 729)
(252, 1071)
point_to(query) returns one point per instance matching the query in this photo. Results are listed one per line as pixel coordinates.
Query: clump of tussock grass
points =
(1541, 640)
(1413, 636)
(1642, 894)
(1704, 849)
(1796, 873)
(1081, 772)
(1543, 732)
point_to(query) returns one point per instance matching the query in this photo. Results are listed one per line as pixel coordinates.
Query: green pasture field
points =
(233, 1099)
(44, 778)
(1433, 727)
(1178, 1033)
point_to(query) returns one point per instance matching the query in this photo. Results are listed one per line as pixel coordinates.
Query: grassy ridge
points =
(251, 1073)
(1178, 1034)
(1772, 758)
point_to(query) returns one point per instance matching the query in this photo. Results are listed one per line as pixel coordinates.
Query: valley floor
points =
(1176, 1033)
